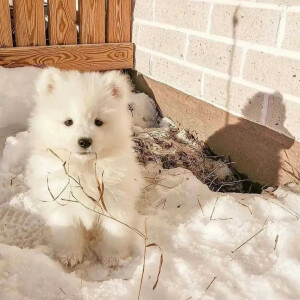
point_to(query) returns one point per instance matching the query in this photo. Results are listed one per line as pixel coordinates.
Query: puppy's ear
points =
(119, 85)
(48, 80)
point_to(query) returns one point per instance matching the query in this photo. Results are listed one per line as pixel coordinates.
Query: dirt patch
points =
(172, 148)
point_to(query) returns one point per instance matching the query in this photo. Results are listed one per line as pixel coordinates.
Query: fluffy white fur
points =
(84, 97)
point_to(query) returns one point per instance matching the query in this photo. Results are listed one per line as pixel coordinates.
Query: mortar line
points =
(243, 62)
(209, 17)
(218, 74)
(264, 110)
(281, 28)
(226, 40)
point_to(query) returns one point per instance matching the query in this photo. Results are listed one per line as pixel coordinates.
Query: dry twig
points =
(144, 260)
(200, 206)
(210, 283)
(215, 219)
(214, 208)
(276, 241)
(290, 211)
(245, 206)
(253, 236)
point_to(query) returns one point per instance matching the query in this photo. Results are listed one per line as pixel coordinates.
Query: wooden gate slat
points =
(62, 22)
(5, 25)
(99, 57)
(91, 21)
(29, 22)
(118, 21)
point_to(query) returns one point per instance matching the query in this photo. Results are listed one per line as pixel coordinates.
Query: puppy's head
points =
(81, 112)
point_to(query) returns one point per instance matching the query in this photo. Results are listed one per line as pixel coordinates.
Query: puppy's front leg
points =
(116, 243)
(68, 239)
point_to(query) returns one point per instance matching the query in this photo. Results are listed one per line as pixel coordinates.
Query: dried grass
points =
(253, 236)
(276, 241)
(211, 283)
(172, 148)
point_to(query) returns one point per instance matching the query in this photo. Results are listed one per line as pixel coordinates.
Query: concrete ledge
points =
(261, 153)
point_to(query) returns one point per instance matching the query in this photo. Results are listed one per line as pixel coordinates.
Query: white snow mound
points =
(143, 110)
(205, 239)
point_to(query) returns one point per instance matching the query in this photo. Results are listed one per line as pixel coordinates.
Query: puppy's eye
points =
(98, 122)
(69, 122)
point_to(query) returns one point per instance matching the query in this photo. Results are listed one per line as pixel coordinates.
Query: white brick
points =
(214, 55)
(183, 13)
(277, 2)
(279, 73)
(281, 2)
(166, 41)
(142, 62)
(252, 24)
(135, 32)
(234, 97)
(283, 116)
(292, 32)
(178, 76)
(143, 9)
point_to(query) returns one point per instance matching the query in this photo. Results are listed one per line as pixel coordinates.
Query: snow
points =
(16, 98)
(16, 94)
(199, 232)
(144, 111)
(197, 246)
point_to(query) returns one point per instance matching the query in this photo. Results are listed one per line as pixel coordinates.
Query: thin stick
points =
(210, 283)
(52, 196)
(214, 209)
(222, 219)
(276, 241)
(200, 206)
(263, 228)
(144, 259)
(162, 202)
(249, 239)
(245, 206)
(156, 181)
(293, 213)
(12, 179)
(216, 219)
(100, 187)
(160, 263)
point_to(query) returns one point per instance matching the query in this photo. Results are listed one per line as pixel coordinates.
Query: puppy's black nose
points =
(85, 142)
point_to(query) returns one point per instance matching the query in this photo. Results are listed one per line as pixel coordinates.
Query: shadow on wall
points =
(237, 141)
(235, 22)
(255, 147)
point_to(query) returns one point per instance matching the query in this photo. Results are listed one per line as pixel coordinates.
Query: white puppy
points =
(80, 130)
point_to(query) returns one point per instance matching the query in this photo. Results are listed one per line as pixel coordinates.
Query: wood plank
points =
(5, 25)
(119, 21)
(29, 22)
(62, 22)
(98, 57)
(91, 21)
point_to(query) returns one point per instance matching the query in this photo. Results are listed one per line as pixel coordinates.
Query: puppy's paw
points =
(111, 261)
(71, 259)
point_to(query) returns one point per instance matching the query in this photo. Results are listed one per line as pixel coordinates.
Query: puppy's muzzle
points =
(85, 142)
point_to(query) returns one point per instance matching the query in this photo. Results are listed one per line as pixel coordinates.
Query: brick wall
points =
(241, 56)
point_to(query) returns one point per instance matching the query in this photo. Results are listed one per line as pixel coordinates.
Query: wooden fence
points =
(96, 37)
